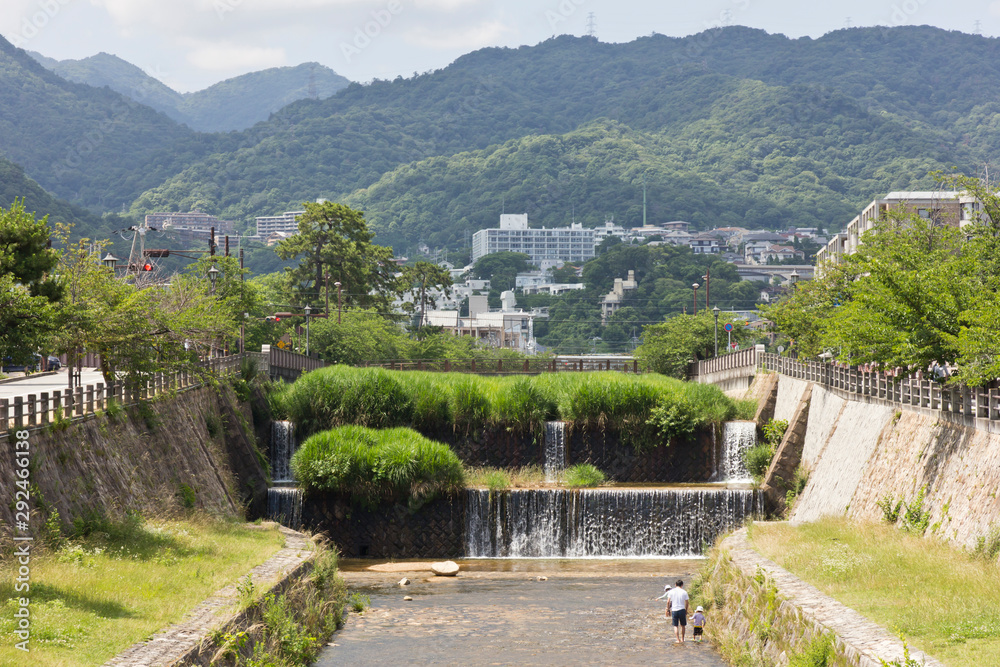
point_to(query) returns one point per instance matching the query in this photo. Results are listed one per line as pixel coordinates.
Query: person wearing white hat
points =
(698, 621)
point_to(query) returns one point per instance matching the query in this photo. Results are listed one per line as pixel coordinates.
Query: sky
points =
(191, 44)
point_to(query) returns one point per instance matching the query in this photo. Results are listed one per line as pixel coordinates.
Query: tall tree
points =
(422, 276)
(335, 245)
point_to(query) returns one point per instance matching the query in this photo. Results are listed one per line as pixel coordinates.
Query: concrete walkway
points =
(178, 644)
(864, 640)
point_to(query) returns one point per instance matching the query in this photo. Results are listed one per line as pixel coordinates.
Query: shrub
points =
(582, 474)
(915, 518)
(988, 545)
(758, 460)
(359, 602)
(774, 431)
(337, 395)
(818, 653)
(890, 508)
(187, 496)
(374, 465)
(675, 419)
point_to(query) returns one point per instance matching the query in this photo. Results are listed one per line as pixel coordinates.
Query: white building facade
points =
(570, 244)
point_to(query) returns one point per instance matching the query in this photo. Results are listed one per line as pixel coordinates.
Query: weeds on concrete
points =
(988, 546)
(582, 475)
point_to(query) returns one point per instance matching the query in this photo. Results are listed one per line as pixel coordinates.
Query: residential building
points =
(194, 224)
(613, 299)
(285, 225)
(705, 244)
(571, 244)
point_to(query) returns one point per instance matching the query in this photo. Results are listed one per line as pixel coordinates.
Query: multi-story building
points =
(284, 225)
(570, 244)
(194, 224)
(944, 207)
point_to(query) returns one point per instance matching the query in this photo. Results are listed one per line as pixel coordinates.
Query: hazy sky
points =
(190, 44)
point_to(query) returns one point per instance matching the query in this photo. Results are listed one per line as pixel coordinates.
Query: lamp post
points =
(715, 311)
(307, 311)
(695, 288)
(213, 276)
(337, 285)
(110, 261)
(706, 278)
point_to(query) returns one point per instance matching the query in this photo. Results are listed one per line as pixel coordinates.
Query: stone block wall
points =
(435, 529)
(690, 461)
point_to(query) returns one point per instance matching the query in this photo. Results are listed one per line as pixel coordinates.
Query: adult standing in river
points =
(678, 610)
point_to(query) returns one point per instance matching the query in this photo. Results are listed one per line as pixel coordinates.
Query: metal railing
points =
(511, 366)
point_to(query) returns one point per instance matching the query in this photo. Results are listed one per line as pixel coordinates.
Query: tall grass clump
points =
(582, 474)
(430, 398)
(524, 405)
(339, 395)
(470, 406)
(373, 466)
(610, 400)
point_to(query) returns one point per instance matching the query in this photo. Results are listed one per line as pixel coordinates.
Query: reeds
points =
(374, 465)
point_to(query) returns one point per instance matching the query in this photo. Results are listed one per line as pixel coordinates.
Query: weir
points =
(284, 501)
(737, 437)
(592, 523)
(555, 449)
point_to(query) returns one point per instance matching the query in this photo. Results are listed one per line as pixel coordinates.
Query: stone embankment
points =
(858, 453)
(772, 614)
(188, 642)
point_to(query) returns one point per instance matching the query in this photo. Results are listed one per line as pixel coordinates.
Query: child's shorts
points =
(698, 630)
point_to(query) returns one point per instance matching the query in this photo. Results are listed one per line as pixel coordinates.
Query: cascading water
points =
(737, 437)
(284, 505)
(588, 523)
(282, 448)
(284, 501)
(555, 449)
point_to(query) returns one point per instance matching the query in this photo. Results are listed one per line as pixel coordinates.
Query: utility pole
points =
(706, 277)
(644, 201)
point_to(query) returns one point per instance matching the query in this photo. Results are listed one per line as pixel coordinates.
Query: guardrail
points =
(912, 392)
(42, 408)
(511, 366)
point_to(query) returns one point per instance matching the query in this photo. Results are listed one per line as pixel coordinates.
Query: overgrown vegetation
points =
(915, 518)
(758, 458)
(582, 475)
(640, 406)
(881, 572)
(497, 479)
(376, 465)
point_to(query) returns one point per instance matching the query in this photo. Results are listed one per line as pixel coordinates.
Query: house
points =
(613, 300)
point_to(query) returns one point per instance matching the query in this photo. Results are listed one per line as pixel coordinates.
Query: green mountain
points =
(233, 104)
(91, 146)
(732, 126)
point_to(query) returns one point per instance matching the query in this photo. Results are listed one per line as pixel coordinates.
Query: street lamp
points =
(213, 276)
(110, 261)
(706, 278)
(695, 288)
(715, 311)
(337, 285)
(307, 311)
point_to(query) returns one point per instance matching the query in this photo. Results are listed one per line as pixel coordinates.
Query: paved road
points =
(36, 384)
(507, 618)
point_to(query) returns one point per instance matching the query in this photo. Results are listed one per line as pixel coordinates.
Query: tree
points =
(27, 290)
(334, 244)
(423, 276)
(668, 347)
(501, 268)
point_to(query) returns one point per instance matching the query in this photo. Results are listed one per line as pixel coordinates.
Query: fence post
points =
(68, 404)
(18, 412)
(32, 415)
(44, 411)
(99, 396)
(90, 399)
(4, 415)
(78, 401)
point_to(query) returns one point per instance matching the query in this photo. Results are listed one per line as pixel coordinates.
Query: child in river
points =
(698, 620)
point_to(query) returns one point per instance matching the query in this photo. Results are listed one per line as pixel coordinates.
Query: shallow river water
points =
(498, 612)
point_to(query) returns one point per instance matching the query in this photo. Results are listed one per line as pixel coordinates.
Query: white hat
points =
(667, 587)
(700, 608)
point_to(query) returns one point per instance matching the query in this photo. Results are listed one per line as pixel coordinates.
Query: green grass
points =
(942, 600)
(374, 465)
(341, 395)
(98, 595)
(582, 474)
(497, 479)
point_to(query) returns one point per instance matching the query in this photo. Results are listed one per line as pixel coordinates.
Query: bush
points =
(758, 460)
(496, 480)
(376, 465)
(335, 396)
(582, 474)
(774, 431)
(988, 545)
(890, 508)
(675, 420)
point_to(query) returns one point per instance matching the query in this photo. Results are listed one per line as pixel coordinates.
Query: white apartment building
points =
(570, 244)
(286, 224)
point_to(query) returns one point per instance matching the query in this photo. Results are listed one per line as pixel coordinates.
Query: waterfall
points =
(737, 437)
(588, 523)
(555, 449)
(284, 505)
(282, 448)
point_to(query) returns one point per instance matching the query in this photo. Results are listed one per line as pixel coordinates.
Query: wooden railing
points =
(42, 408)
(913, 392)
(512, 366)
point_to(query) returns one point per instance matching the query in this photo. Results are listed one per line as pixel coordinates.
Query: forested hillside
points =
(233, 104)
(728, 127)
